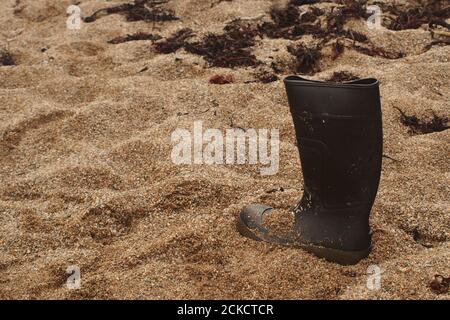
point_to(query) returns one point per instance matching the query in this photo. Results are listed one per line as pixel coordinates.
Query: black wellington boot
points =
(339, 135)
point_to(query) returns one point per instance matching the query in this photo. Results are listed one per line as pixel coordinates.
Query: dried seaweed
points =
(232, 48)
(354, 35)
(337, 48)
(423, 126)
(290, 23)
(342, 76)
(337, 18)
(140, 10)
(266, 77)
(440, 284)
(263, 76)
(302, 2)
(436, 42)
(431, 13)
(213, 4)
(377, 51)
(221, 79)
(174, 42)
(307, 59)
(6, 58)
(135, 37)
(229, 49)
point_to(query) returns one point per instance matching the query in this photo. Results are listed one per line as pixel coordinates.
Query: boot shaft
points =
(339, 135)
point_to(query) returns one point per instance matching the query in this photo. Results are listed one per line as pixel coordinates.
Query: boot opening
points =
(362, 83)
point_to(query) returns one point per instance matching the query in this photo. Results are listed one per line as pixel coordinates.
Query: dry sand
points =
(87, 179)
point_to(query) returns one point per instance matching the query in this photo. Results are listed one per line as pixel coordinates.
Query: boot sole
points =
(343, 257)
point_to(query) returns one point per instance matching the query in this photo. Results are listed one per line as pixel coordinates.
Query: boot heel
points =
(342, 257)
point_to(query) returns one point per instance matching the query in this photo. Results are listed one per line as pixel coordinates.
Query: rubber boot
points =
(339, 135)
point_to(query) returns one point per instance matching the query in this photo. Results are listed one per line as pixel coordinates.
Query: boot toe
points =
(250, 221)
(252, 215)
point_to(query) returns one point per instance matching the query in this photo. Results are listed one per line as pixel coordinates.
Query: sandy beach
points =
(87, 179)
